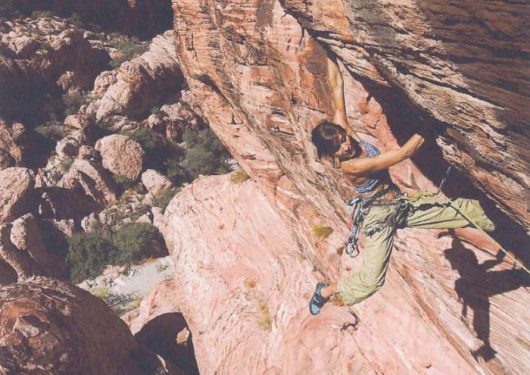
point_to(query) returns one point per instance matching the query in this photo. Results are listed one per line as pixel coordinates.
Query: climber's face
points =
(346, 149)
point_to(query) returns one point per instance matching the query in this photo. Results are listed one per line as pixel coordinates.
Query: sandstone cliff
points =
(257, 71)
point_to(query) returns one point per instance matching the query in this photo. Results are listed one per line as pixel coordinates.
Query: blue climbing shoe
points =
(317, 301)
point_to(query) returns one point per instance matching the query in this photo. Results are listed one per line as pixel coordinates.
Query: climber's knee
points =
(474, 211)
(355, 288)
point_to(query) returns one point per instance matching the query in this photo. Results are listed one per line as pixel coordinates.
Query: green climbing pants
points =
(420, 211)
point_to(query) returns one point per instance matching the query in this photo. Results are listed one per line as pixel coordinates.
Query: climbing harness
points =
(360, 207)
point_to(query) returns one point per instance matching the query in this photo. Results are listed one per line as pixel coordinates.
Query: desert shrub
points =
(174, 170)
(42, 14)
(157, 148)
(123, 182)
(321, 232)
(239, 176)
(88, 254)
(204, 154)
(163, 198)
(263, 317)
(73, 101)
(52, 131)
(137, 241)
(77, 20)
(128, 47)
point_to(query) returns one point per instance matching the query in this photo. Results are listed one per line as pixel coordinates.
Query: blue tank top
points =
(370, 185)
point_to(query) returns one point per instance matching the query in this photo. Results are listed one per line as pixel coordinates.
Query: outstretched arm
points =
(364, 166)
(337, 88)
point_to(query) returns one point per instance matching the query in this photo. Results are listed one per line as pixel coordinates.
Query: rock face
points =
(121, 155)
(16, 185)
(260, 80)
(464, 64)
(236, 254)
(47, 326)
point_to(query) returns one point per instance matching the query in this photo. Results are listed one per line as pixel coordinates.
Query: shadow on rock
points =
(476, 285)
(168, 336)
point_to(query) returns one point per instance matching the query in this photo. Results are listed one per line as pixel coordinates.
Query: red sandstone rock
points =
(11, 152)
(121, 155)
(61, 56)
(260, 82)
(243, 282)
(159, 301)
(16, 185)
(24, 251)
(91, 179)
(155, 182)
(51, 327)
(141, 83)
(445, 57)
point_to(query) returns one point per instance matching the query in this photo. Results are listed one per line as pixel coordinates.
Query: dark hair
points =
(327, 137)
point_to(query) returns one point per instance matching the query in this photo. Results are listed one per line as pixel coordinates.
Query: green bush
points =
(52, 131)
(123, 182)
(128, 47)
(204, 154)
(160, 154)
(42, 14)
(239, 176)
(163, 198)
(88, 254)
(72, 102)
(136, 242)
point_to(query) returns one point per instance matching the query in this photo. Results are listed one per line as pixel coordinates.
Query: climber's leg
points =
(435, 212)
(375, 258)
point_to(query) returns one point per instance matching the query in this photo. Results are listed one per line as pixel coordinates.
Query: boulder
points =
(11, 145)
(142, 83)
(45, 52)
(78, 121)
(16, 185)
(121, 155)
(51, 327)
(155, 182)
(18, 261)
(68, 146)
(25, 248)
(91, 179)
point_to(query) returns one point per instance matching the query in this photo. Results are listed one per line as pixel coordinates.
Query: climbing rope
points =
(516, 261)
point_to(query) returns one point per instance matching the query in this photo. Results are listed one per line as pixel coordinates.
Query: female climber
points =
(380, 208)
